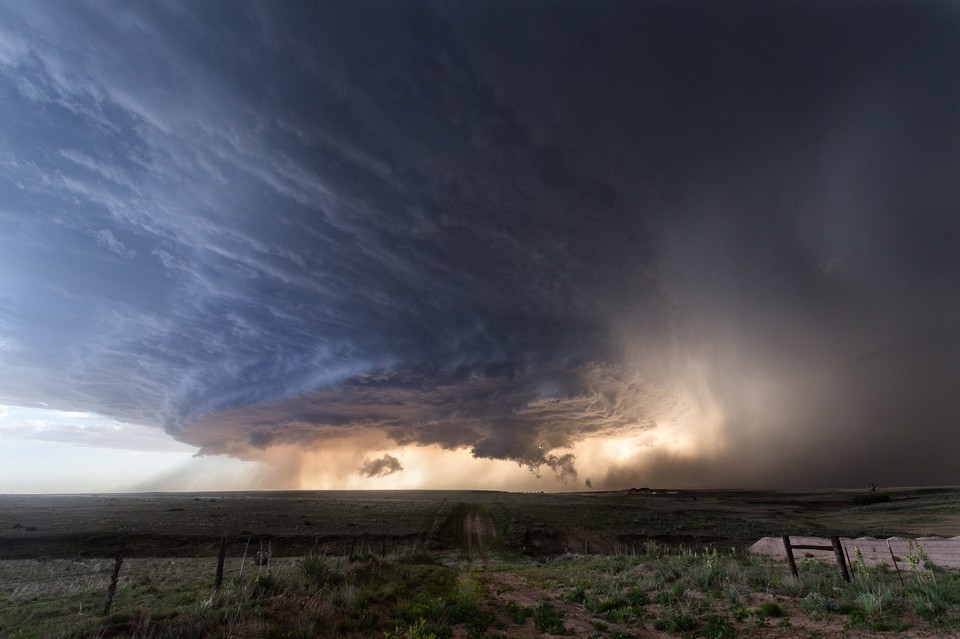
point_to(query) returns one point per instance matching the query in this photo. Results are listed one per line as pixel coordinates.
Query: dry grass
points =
(675, 593)
(430, 583)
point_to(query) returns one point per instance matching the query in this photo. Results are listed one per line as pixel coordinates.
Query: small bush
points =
(314, 568)
(576, 595)
(609, 603)
(739, 613)
(265, 583)
(416, 630)
(675, 594)
(518, 613)
(770, 609)
(873, 601)
(732, 594)
(637, 597)
(674, 622)
(816, 605)
(548, 619)
(718, 627)
(928, 599)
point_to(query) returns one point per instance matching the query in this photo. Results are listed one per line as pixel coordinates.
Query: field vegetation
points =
(475, 565)
(659, 591)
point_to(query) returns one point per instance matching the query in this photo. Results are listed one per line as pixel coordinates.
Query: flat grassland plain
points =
(420, 564)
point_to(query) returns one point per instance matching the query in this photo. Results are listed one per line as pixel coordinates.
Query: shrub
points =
(770, 609)
(416, 630)
(314, 568)
(518, 613)
(816, 605)
(609, 603)
(674, 621)
(265, 583)
(548, 619)
(871, 604)
(928, 599)
(577, 594)
(718, 627)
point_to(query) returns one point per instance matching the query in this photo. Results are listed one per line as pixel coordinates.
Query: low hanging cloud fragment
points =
(381, 466)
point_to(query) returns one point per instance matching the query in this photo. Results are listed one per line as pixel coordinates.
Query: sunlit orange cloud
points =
(683, 442)
(695, 433)
(424, 467)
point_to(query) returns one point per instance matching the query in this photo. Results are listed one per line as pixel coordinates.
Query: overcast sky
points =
(483, 244)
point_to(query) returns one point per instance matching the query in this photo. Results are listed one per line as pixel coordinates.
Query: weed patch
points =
(546, 618)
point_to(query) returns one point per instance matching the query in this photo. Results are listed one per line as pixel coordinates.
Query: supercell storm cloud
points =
(724, 236)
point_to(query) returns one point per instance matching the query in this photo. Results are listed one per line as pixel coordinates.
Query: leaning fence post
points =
(853, 570)
(112, 589)
(895, 564)
(838, 551)
(221, 556)
(244, 559)
(790, 560)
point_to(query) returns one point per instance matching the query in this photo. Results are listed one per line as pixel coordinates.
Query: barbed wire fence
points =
(230, 559)
(234, 557)
(897, 554)
(906, 554)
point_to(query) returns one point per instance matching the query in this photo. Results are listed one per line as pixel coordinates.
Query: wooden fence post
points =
(835, 546)
(838, 550)
(112, 589)
(853, 571)
(790, 560)
(221, 557)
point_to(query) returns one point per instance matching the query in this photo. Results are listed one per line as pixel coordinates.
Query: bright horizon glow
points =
(53, 451)
(52, 467)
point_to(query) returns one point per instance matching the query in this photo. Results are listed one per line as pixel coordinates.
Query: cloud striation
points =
(507, 228)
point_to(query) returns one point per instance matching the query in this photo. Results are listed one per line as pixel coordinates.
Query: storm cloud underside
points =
(506, 228)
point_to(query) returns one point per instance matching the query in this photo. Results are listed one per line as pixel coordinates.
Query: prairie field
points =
(635, 563)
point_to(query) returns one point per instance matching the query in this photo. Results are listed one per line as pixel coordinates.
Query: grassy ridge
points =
(533, 524)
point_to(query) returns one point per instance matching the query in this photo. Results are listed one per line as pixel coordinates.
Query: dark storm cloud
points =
(381, 466)
(501, 226)
(523, 418)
